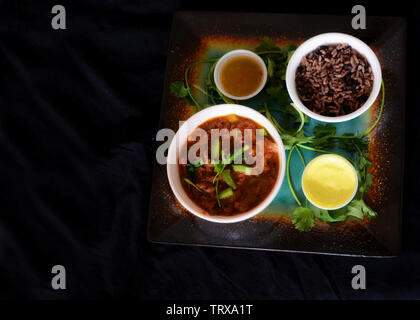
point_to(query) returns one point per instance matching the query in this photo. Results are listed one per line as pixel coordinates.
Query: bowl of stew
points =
(212, 177)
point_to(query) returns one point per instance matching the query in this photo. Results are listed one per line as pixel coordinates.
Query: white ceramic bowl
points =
(233, 54)
(180, 139)
(325, 156)
(327, 39)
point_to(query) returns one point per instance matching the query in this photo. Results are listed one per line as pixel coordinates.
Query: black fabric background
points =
(79, 110)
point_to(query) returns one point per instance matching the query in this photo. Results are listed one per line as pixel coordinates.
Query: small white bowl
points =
(233, 54)
(327, 39)
(324, 156)
(180, 139)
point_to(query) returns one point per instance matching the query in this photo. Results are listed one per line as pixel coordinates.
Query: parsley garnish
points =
(303, 218)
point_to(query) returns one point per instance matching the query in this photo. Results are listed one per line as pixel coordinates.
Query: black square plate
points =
(194, 35)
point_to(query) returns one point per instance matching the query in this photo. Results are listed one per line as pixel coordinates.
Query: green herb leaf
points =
(266, 45)
(359, 209)
(303, 218)
(365, 179)
(323, 136)
(290, 140)
(322, 130)
(364, 163)
(325, 216)
(278, 93)
(218, 169)
(228, 179)
(365, 183)
(290, 54)
(353, 144)
(192, 184)
(242, 169)
(178, 89)
(227, 193)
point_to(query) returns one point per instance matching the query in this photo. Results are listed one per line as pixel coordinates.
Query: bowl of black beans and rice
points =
(333, 77)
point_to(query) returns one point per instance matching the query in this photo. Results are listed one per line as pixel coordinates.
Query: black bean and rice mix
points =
(334, 80)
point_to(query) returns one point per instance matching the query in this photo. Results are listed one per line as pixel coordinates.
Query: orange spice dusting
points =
(379, 149)
(210, 41)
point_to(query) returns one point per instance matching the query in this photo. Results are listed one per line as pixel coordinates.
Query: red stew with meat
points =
(227, 188)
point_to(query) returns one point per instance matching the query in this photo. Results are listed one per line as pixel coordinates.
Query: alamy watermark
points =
(359, 20)
(59, 280)
(359, 280)
(59, 20)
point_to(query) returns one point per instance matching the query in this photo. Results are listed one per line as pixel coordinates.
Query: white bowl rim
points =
(326, 39)
(186, 129)
(355, 189)
(236, 53)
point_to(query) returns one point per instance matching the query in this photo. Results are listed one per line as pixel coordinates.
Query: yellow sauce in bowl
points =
(329, 181)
